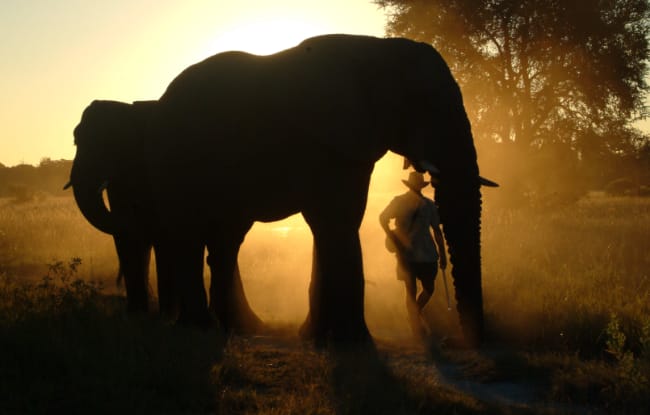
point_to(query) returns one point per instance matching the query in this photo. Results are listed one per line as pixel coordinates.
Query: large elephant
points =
(109, 138)
(239, 138)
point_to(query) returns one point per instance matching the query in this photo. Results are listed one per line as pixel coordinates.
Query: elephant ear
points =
(110, 136)
(108, 140)
(362, 90)
(399, 81)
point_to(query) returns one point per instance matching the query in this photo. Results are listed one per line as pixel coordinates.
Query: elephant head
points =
(440, 141)
(417, 111)
(108, 141)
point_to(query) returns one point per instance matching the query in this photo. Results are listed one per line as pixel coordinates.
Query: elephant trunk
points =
(88, 195)
(458, 197)
(460, 210)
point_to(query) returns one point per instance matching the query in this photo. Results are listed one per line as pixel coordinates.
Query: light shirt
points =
(414, 214)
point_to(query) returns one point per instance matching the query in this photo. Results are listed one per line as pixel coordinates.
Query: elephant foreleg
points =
(134, 255)
(308, 329)
(244, 318)
(187, 271)
(336, 292)
(168, 295)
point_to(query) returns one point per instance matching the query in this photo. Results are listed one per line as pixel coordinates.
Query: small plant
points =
(644, 340)
(615, 339)
(631, 379)
(60, 291)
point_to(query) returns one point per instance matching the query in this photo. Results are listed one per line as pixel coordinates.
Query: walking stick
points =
(444, 279)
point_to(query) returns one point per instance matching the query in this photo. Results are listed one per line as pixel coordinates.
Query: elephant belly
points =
(271, 203)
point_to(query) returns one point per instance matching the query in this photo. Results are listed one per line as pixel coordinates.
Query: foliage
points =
(23, 182)
(538, 71)
(553, 277)
(631, 375)
(622, 187)
(68, 348)
(543, 75)
(59, 292)
(570, 286)
(628, 382)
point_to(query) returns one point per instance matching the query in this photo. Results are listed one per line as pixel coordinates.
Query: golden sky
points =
(57, 56)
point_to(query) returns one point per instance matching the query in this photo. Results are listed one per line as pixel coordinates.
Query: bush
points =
(60, 292)
(621, 187)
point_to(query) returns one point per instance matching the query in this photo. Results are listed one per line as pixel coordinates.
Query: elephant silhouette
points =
(239, 138)
(109, 127)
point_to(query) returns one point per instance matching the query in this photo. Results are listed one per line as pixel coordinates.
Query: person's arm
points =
(437, 235)
(440, 241)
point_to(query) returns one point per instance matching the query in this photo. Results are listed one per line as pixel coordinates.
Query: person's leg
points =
(404, 273)
(411, 289)
(426, 273)
(423, 298)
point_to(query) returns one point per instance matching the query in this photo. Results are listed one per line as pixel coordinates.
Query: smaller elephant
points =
(111, 132)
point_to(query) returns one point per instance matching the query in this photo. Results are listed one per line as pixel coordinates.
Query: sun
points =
(265, 35)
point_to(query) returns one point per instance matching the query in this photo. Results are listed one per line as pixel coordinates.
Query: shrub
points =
(621, 187)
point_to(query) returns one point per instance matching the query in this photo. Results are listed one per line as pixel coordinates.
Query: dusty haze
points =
(546, 267)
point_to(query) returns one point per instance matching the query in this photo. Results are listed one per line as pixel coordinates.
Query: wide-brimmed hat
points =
(415, 181)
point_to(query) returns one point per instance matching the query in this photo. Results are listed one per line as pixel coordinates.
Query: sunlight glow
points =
(282, 231)
(128, 50)
(264, 36)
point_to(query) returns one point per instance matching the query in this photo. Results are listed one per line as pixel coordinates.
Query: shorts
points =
(424, 271)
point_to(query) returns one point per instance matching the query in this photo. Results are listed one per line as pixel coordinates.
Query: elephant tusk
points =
(103, 186)
(435, 181)
(486, 182)
(67, 185)
(434, 172)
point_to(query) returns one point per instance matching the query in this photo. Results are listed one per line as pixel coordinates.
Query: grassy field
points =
(567, 297)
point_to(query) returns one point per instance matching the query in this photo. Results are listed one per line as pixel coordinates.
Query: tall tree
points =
(537, 72)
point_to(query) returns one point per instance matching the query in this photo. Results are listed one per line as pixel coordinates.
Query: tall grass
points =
(66, 348)
(34, 234)
(553, 278)
(566, 289)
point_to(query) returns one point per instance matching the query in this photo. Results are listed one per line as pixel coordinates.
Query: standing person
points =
(417, 255)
